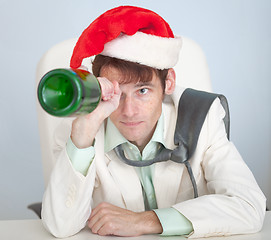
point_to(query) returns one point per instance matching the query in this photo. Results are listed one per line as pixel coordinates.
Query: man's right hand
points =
(85, 128)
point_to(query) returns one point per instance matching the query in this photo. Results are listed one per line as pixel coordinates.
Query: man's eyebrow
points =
(144, 84)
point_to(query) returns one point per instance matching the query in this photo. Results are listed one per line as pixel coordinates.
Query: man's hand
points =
(85, 128)
(107, 219)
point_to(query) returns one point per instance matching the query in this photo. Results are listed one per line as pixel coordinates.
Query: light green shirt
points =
(173, 222)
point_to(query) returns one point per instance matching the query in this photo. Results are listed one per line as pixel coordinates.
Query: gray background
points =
(234, 34)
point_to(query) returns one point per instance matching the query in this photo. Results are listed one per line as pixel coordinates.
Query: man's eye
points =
(143, 90)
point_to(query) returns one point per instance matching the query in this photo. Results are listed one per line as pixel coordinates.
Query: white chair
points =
(191, 71)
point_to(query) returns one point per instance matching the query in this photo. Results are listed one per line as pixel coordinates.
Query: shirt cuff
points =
(80, 158)
(173, 222)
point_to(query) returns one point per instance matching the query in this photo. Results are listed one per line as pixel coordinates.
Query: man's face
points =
(139, 109)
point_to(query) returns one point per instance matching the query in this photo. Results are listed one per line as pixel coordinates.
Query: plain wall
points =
(234, 34)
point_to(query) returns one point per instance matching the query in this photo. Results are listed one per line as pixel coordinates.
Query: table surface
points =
(33, 230)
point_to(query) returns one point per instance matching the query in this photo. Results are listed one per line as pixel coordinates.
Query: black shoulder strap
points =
(192, 110)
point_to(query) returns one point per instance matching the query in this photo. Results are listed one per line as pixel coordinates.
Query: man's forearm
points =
(107, 219)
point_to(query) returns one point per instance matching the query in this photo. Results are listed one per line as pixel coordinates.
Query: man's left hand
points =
(107, 219)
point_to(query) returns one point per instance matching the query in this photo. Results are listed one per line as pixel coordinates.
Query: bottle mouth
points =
(60, 92)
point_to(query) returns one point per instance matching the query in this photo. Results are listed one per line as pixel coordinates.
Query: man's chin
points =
(131, 137)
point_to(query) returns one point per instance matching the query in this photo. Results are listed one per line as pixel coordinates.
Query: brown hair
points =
(133, 72)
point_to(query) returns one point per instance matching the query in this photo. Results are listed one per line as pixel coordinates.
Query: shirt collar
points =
(114, 138)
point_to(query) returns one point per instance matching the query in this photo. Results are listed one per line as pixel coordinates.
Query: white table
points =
(33, 230)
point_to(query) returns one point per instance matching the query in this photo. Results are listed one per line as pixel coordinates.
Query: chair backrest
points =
(191, 71)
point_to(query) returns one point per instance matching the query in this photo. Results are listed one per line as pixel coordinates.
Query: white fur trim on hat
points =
(153, 51)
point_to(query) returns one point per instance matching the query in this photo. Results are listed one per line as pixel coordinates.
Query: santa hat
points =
(129, 33)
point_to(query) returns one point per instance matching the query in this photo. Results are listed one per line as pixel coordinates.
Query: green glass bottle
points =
(68, 92)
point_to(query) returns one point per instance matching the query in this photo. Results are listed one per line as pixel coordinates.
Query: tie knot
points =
(179, 154)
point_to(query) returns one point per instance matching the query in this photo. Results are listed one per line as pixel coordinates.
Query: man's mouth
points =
(132, 123)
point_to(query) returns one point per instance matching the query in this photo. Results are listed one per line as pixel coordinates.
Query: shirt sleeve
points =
(80, 158)
(173, 222)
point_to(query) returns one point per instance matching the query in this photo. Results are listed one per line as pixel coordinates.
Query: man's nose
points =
(130, 107)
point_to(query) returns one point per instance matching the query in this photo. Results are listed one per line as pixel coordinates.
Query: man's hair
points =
(132, 72)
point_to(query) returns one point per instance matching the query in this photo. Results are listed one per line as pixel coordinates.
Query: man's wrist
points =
(150, 223)
(80, 158)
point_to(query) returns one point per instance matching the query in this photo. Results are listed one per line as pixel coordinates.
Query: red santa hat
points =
(129, 33)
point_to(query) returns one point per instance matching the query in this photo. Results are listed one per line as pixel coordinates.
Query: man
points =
(135, 54)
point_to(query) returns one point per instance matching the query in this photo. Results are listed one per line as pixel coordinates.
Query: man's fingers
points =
(107, 88)
(107, 219)
(102, 222)
(102, 205)
(95, 224)
(109, 228)
(117, 90)
(97, 213)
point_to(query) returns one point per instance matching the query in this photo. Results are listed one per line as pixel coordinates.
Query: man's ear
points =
(170, 82)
